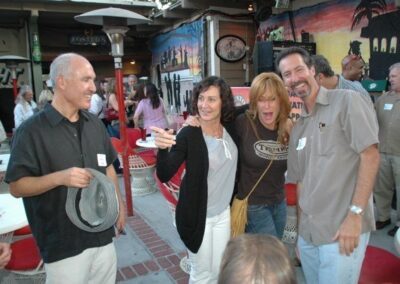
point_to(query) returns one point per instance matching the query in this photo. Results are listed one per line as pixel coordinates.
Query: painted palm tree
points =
(367, 8)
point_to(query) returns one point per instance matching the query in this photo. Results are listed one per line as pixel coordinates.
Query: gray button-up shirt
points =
(388, 112)
(324, 155)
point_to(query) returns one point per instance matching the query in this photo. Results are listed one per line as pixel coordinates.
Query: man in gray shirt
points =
(388, 112)
(333, 159)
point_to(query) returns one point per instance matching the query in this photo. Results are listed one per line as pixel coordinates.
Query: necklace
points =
(216, 133)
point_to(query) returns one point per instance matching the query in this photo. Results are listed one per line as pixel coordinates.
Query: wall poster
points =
(178, 59)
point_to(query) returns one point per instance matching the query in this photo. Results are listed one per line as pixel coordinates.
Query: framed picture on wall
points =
(230, 48)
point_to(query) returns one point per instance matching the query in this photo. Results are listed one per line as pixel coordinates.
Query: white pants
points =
(206, 262)
(92, 266)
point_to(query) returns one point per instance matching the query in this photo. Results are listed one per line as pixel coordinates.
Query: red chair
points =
(170, 191)
(139, 164)
(291, 194)
(23, 231)
(379, 266)
(26, 262)
(290, 233)
(133, 134)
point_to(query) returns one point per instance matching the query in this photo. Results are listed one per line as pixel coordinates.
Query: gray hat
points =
(95, 208)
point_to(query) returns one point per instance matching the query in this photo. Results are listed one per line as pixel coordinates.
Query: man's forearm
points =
(31, 186)
(367, 171)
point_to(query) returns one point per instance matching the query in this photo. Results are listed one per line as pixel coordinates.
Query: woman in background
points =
(98, 100)
(263, 138)
(25, 107)
(152, 109)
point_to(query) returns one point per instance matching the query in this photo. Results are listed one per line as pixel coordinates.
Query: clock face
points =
(230, 48)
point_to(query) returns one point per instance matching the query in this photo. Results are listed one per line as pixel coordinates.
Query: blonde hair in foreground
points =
(273, 84)
(256, 259)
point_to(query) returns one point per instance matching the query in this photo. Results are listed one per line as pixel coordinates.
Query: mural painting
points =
(367, 28)
(178, 56)
(333, 26)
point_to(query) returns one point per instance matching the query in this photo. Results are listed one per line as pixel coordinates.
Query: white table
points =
(12, 213)
(149, 143)
(3, 166)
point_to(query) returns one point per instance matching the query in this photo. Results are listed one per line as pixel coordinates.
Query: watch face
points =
(356, 210)
(230, 48)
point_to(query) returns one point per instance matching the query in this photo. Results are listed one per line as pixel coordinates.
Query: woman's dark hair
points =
(152, 94)
(228, 106)
(139, 89)
(99, 89)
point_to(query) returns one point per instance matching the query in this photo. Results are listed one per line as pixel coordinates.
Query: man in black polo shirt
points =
(50, 153)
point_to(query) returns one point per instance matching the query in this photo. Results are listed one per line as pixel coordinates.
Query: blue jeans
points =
(267, 219)
(324, 264)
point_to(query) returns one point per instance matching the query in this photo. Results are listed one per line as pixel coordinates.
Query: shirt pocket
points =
(329, 139)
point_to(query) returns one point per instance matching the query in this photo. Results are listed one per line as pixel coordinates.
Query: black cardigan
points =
(191, 210)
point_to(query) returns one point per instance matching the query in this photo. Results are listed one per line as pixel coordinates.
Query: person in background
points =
(263, 138)
(130, 86)
(5, 249)
(353, 67)
(51, 153)
(45, 97)
(136, 96)
(255, 258)
(112, 98)
(326, 77)
(388, 109)
(333, 158)
(98, 101)
(152, 109)
(25, 107)
(210, 154)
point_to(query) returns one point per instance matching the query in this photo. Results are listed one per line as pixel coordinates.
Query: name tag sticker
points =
(302, 143)
(101, 160)
(388, 107)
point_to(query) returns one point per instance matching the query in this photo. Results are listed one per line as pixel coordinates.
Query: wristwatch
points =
(356, 209)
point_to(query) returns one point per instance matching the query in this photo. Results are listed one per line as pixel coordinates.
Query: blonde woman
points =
(25, 107)
(263, 138)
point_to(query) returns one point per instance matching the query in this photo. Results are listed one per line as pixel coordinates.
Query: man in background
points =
(388, 111)
(353, 67)
(328, 79)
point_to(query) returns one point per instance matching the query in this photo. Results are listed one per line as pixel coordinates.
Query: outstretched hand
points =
(163, 138)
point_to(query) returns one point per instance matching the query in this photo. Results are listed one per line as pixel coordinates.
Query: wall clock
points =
(230, 48)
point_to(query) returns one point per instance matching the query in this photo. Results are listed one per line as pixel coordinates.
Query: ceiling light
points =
(132, 62)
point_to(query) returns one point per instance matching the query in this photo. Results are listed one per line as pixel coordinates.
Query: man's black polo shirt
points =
(47, 143)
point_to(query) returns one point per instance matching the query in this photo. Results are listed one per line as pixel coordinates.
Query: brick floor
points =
(164, 257)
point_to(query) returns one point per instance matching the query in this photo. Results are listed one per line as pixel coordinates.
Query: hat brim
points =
(95, 208)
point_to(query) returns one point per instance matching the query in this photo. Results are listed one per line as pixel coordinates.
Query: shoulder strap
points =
(259, 179)
(252, 125)
(270, 163)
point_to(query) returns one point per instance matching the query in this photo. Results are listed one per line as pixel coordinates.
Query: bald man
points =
(50, 153)
(353, 67)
